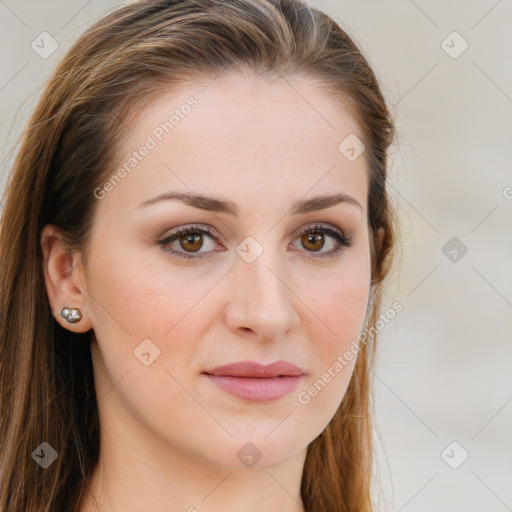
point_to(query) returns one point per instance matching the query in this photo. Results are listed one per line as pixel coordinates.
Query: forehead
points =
(240, 135)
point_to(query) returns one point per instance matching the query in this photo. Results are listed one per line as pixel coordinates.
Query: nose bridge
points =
(262, 282)
(262, 300)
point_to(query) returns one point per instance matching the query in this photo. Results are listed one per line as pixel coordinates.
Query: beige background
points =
(444, 367)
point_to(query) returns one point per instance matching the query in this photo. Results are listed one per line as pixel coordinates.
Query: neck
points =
(137, 475)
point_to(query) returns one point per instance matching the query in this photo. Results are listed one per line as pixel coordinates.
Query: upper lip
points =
(253, 369)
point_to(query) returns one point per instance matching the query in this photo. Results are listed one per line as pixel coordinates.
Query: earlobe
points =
(63, 275)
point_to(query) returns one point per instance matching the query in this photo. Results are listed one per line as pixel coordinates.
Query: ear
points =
(64, 278)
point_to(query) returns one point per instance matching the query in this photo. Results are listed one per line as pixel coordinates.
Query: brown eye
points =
(191, 242)
(322, 241)
(313, 241)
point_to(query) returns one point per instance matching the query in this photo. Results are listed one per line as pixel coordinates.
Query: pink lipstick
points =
(256, 382)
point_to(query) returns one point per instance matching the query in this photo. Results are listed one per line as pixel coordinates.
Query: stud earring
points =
(72, 315)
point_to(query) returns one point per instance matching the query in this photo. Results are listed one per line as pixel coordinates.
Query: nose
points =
(262, 305)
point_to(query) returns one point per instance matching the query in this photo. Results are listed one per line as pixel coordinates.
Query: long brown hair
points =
(68, 149)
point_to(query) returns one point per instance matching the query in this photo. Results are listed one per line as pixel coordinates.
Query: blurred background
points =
(443, 379)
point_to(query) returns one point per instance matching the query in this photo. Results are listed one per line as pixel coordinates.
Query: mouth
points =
(254, 382)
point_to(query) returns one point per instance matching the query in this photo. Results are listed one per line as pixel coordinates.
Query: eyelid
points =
(320, 226)
(209, 230)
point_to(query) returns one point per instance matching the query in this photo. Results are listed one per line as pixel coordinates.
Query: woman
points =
(194, 242)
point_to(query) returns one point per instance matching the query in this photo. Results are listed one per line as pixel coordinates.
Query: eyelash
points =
(343, 241)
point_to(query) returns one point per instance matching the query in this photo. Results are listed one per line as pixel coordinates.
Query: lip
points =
(255, 382)
(256, 370)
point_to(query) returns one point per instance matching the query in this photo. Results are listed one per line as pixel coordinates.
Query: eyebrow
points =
(209, 203)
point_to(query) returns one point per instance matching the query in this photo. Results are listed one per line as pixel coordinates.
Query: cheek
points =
(338, 309)
(131, 293)
(135, 301)
(338, 304)
(341, 314)
(125, 298)
(343, 300)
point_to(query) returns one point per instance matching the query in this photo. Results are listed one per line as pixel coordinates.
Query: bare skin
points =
(170, 438)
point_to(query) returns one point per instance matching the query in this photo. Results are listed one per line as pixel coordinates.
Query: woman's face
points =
(169, 309)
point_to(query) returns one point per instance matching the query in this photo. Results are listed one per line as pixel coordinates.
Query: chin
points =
(255, 447)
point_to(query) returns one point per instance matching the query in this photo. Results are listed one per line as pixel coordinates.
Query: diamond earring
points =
(72, 315)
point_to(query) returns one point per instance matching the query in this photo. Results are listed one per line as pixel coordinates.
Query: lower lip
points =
(257, 389)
